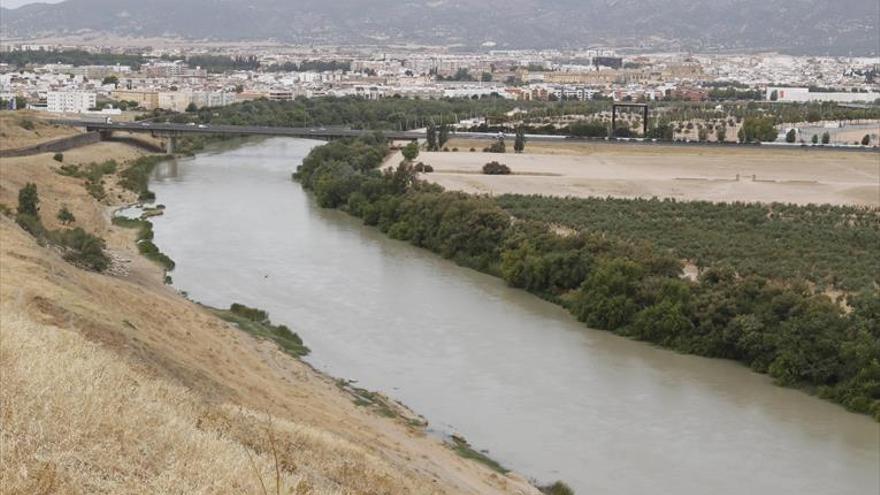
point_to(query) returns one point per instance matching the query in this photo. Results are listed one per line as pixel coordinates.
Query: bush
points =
(558, 488)
(29, 200)
(495, 168)
(257, 323)
(65, 216)
(496, 147)
(58, 157)
(32, 225)
(83, 249)
(422, 168)
(410, 151)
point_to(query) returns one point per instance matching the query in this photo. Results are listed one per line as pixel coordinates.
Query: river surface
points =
(515, 375)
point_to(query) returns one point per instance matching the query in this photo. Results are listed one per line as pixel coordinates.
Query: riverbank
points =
(776, 325)
(119, 373)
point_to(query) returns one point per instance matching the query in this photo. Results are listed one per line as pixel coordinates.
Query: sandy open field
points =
(599, 169)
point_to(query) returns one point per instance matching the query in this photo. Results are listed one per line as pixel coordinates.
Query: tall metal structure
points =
(644, 108)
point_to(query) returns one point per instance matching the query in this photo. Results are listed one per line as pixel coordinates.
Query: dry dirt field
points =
(600, 169)
(117, 384)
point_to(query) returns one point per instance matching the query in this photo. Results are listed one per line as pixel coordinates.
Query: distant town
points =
(108, 81)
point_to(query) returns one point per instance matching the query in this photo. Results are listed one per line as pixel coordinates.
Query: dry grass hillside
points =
(18, 129)
(117, 384)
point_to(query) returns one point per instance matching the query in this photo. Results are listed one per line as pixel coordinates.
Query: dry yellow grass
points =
(116, 384)
(14, 135)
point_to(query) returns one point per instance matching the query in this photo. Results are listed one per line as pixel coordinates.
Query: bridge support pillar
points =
(170, 144)
(106, 134)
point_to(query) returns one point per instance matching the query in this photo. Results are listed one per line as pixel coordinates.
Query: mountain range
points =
(818, 27)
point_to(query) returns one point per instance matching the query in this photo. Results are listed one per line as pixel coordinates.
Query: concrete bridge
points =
(170, 132)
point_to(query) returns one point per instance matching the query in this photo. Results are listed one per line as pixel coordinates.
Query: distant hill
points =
(799, 26)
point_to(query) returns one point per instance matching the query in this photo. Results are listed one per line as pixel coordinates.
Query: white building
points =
(803, 95)
(70, 101)
(213, 99)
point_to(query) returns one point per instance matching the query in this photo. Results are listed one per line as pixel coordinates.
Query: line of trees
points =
(23, 58)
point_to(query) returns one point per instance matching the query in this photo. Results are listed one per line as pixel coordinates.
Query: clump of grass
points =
(461, 447)
(256, 322)
(368, 398)
(557, 488)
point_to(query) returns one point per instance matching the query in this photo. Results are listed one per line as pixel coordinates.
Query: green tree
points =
(192, 108)
(410, 151)
(791, 136)
(486, 77)
(721, 134)
(606, 300)
(866, 140)
(58, 157)
(65, 216)
(774, 95)
(815, 139)
(519, 145)
(662, 323)
(756, 129)
(443, 136)
(432, 137)
(29, 200)
(826, 137)
(111, 80)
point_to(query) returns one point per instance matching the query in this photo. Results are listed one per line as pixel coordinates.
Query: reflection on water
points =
(514, 374)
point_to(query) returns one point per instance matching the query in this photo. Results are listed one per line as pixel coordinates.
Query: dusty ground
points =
(599, 169)
(117, 384)
(24, 128)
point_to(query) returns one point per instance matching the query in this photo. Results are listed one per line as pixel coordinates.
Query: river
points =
(515, 375)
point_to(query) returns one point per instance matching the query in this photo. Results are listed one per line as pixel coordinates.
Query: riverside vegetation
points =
(620, 268)
(80, 247)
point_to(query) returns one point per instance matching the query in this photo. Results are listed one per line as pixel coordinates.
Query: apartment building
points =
(70, 101)
(145, 98)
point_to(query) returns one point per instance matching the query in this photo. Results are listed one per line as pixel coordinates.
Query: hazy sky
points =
(11, 4)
